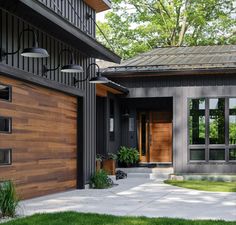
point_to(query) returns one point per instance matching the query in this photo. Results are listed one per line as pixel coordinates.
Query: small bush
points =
(8, 199)
(128, 156)
(100, 180)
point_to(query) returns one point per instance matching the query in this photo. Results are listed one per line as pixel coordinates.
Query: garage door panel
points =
(43, 139)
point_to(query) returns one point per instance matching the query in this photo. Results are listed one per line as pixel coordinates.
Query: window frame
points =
(10, 93)
(207, 146)
(10, 125)
(10, 157)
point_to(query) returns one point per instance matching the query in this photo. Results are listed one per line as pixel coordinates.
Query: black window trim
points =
(207, 146)
(10, 93)
(10, 125)
(10, 152)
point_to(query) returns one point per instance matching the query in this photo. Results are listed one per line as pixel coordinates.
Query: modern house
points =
(180, 109)
(47, 104)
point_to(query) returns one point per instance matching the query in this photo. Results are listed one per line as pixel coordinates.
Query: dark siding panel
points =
(74, 11)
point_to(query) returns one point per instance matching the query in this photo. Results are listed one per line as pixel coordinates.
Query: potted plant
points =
(98, 162)
(109, 164)
(128, 157)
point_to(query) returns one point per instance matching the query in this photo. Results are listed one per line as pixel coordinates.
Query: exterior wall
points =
(10, 27)
(181, 88)
(74, 12)
(43, 139)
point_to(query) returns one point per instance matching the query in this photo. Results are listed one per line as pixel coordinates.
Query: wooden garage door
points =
(43, 139)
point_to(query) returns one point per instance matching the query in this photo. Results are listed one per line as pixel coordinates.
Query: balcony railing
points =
(75, 12)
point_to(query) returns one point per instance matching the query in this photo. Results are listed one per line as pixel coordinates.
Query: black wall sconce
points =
(34, 52)
(71, 67)
(99, 79)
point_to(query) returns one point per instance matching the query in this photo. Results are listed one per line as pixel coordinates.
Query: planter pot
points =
(98, 165)
(109, 165)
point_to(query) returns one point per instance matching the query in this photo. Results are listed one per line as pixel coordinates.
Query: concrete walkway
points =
(139, 197)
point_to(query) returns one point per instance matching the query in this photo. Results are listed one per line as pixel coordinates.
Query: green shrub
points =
(128, 156)
(8, 199)
(100, 180)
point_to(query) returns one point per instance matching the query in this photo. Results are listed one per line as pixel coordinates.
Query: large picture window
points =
(212, 129)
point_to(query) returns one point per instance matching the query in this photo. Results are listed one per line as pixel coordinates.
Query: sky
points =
(101, 15)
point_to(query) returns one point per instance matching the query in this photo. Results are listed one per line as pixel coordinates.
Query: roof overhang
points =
(121, 73)
(99, 5)
(102, 90)
(45, 19)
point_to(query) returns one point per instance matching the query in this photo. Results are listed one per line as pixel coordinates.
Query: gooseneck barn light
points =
(33, 52)
(71, 67)
(99, 79)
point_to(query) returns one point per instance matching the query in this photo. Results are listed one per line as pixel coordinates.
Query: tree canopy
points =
(135, 26)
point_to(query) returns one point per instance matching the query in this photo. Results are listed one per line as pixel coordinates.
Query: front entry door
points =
(155, 136)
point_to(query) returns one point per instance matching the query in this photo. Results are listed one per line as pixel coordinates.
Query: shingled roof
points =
(180, 59)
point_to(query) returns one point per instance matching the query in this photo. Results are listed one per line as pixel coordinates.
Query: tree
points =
(135, 26)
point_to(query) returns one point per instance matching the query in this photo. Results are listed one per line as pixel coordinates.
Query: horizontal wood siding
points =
(43, 139)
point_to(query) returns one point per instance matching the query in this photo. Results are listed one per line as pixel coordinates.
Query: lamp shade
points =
(72, 68)
(98, 80)
(35, 52)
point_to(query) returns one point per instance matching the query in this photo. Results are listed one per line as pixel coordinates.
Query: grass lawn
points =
(205, 185)
(73, 218)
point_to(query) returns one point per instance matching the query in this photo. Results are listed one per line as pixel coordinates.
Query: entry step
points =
(150, 173)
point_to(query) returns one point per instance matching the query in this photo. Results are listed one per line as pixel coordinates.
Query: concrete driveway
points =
(139, 197)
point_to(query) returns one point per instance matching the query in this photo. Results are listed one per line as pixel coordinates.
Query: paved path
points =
(139, 197)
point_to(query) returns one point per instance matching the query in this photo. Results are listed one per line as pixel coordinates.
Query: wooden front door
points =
(155, 137)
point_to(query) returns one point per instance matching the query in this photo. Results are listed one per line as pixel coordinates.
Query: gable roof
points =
(179, 59)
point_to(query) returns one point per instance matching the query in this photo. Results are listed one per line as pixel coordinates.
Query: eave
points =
(48, 21)
(122, 73)
(99, 5)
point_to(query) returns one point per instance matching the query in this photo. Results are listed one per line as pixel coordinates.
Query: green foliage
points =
(112, 156)
(8, 199)
(128, 156)
(100, 180)
(205, 185)
(74, 218)
(136, 26)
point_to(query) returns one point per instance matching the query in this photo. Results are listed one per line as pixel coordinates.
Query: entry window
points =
(217, 154)
(5, 157)
(197, 154)
(232, 154)
(131, 124)
(212, 129)
(5, 125)
(143, 134)
(197, 126)
(5, 92)
(217, 121)
(112, 120)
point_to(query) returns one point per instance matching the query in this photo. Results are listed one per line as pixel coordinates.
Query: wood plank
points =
(43, 139)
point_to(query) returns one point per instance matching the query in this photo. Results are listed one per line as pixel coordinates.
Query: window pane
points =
(131, 124)
(217, 154)
(217, 121)
(232, 130)
(5, 124)
(232, 103)
(197, 154)
(5, 156)
(232, 154)
(4, 92)
(197, 121)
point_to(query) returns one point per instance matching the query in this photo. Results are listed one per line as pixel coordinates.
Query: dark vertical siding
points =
(10, 27)
(74, 11)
